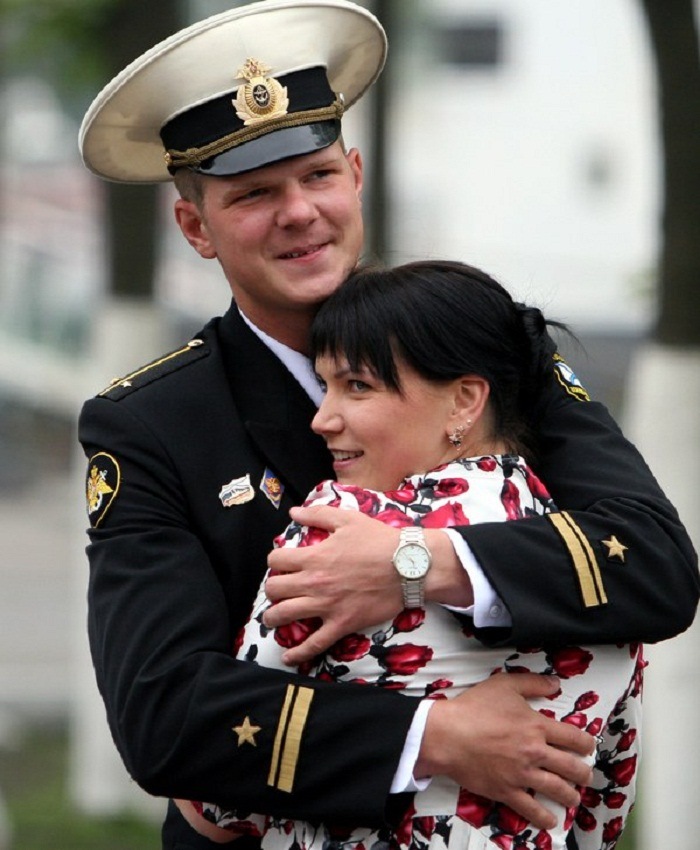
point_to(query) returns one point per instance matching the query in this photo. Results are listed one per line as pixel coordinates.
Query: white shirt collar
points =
(298, 364)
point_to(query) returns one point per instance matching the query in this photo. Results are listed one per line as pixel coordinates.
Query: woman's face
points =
(378, 436)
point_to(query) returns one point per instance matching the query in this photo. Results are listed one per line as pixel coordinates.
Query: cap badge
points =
(237, 492)
(262, 97)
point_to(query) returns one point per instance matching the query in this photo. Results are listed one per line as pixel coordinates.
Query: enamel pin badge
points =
(272, 487)
(238, 491)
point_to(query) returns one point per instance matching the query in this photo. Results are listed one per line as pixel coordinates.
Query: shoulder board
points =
(165, 365)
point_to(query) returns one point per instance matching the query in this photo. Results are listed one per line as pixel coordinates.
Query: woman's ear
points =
(194, 228)
(471, 394)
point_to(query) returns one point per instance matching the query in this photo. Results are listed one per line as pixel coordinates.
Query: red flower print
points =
(450, 487)
(590, 798)
(408, 620)
(585, 820)
(569, 817)
(615, 799)
(626, 740)
(393, 517)
(438, 685)
(472, 808)
(367, 502)
(404, 496)
(537, 488)
(447, 516)
(505, 842)
(405, 828)
(612, 830)
(595, 726)
(570, 661)
(295, 633)
(510, 498)
(586, 701)
(543, 841)
(424, 825)
(487, 464)
(621, 772)
(405, 659)
(350, 648)
(312, 536)
(245, 827)
(238, 642)
(509, 821)
(576, 719)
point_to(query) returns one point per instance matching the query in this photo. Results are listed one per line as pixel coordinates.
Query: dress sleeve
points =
(615, 564)
(189, 720)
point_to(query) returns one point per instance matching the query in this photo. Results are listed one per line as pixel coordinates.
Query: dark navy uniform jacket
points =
(173, 572)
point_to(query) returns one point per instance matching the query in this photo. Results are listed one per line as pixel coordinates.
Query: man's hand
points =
(348, 579)
(490, 741)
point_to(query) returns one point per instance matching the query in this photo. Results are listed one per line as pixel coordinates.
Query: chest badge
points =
(272, 487)
(238, 491)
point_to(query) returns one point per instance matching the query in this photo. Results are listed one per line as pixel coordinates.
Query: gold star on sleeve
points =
(615, 548)
(246, 732)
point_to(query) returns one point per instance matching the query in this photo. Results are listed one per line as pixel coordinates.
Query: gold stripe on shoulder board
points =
(127, 380)
(290, 728)
(583, 557)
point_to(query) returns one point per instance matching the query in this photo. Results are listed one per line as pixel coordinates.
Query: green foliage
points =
(58, 39)
(33, 782)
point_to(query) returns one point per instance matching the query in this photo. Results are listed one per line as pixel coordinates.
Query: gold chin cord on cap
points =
(196, 156)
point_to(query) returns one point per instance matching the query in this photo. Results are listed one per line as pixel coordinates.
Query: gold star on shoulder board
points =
(246, 732)
(615, 548)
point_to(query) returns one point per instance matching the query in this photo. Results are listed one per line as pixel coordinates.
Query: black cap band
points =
(266, 120)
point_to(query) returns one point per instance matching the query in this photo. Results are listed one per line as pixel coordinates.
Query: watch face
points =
(412, 561)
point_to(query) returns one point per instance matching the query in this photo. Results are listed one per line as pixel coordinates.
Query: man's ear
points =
(193, 226)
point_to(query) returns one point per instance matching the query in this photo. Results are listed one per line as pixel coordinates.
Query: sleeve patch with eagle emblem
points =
(102, 486)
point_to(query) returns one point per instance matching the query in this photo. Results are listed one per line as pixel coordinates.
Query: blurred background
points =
(555, 144)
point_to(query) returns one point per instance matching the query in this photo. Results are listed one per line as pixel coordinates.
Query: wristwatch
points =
(412, 561)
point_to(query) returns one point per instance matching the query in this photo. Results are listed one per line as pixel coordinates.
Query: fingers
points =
(531, 809)
(314, 645)
(571, 768)
(531, 685)
(289, 610)
(567, 737)
(321, 516)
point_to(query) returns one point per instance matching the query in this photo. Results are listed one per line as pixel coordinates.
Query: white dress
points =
(430, 653)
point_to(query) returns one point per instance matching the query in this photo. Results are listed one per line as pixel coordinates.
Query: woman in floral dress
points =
(430, 371)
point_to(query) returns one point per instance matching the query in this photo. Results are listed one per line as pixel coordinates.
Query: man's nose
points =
(296, 208)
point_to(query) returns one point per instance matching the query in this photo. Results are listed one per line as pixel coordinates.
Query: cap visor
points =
(273, 147)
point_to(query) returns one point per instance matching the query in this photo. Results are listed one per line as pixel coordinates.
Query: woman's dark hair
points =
(444, 319)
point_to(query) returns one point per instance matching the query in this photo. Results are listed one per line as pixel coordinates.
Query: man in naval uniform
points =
(195, 460)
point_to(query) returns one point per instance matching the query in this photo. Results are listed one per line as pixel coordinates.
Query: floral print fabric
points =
(429, 653)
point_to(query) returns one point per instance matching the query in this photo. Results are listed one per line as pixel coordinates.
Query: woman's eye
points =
(358, 386)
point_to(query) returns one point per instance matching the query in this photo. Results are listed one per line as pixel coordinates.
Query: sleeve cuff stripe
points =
(285, 753)
(583, 558)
